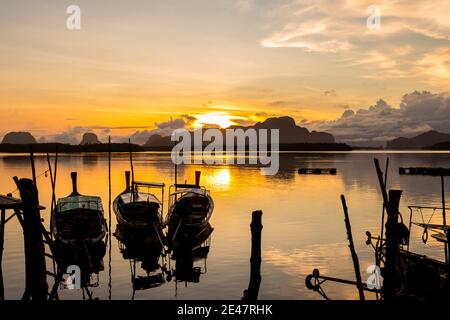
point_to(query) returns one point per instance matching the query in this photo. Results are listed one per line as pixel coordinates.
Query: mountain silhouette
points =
(290, 133)
(18, 138)
(157, 140)
(89, 138)
(419, 142)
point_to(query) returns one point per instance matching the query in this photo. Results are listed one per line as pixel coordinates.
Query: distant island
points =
(125, 147)
(419, 142)
(292, 138)
(438, 146)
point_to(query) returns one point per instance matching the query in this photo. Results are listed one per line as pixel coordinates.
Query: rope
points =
(37, 177)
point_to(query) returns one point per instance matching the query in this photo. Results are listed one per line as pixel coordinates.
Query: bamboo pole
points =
(444, 218)
(109, 221)
(351, 245)
(251, 294)
(2, 239)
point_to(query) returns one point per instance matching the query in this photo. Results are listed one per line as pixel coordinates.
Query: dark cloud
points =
(71, 136)
(278, 103)
(163, 129)
(171, 124)
(330, 93)
(418, 112)
(244, 122)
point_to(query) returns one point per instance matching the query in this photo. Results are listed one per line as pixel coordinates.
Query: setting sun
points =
(221, 119)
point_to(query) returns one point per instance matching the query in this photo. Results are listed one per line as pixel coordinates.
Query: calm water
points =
(303, 219)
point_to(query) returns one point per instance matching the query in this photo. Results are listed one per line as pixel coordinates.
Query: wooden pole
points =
(109, 221)
(2, 239)
(378, 256)
(197, 178)
(392, 245)
(35, 271)
(131, 164)
(52, 182)
(351, 245)
(444, 218)
(251, 294)
(33, 168)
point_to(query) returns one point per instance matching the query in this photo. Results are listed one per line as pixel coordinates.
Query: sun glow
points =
(221, 119)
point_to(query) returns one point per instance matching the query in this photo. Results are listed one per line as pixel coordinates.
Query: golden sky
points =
(137, 63)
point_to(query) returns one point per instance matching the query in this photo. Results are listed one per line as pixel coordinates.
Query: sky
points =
(134, 65)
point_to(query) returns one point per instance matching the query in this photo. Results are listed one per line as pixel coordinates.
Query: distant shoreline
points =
(125, 147)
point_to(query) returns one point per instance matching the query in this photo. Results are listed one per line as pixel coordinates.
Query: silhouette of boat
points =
(190, 208)
(78, 219)
(79, 227)
(136, 209)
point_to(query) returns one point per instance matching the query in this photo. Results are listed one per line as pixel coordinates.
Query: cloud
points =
(330, 93)
(317, 25)
(418, 112)
(164, 128)
(413, 34)
(72, 135)
(244, 5)
(171, 124)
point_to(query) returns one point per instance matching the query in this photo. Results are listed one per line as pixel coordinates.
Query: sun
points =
(221, 119)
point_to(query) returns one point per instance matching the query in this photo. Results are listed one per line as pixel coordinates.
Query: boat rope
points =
(45, 173)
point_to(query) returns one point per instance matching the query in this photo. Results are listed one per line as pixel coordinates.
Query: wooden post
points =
(197, 177)
(127, 181)
(2, 239)
(352, 250)
(383, 213)
(444, 218)
(251, 294)
(33, 168)
(109, 219)
(392, 245)
(35, 271)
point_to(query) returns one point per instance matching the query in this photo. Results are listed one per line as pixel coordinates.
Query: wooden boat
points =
(190, 209)
(399, 273)
(78, 219)
(136, 209)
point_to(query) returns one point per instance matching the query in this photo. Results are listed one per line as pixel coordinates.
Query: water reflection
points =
(152, 265)
(303, 221)
(143, 248)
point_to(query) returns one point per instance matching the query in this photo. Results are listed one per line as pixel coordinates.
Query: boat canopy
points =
(79, 202)
(149, 184)
(191, 190)
(138, 197)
